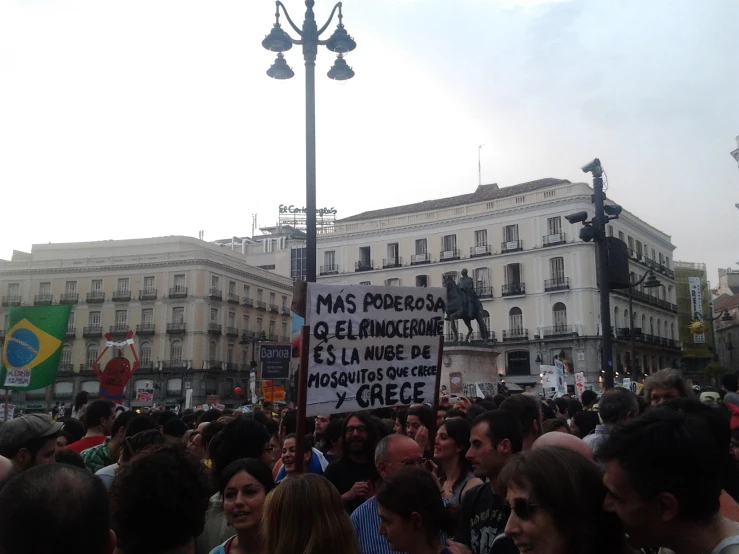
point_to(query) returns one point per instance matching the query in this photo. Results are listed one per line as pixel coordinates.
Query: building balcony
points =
(215, 328)
(477, 251)
(148, 294)
(484, 292)
(69, 298)
(417, 259)
(515, 334)
(392, 262)
(71, 332)
(215, 294)
(272, 337)
(511, 246)
(96, 297)
(515, 289)
(274, 308)
(329, 270)
(146, 365)
(232, 332)
(560, 283)
(43, 300)
(285, 310)
(364, 265)
(248, 302)
(233, 298)
(145, 329)
(261, 305)
(554, 239)
(66, 368)
(645, 298)
(86, 367)
(232, 366)
(122, 296)
(11, 300)
(446, 255)
(213, 364)
(92, 331)
(559, 331)
(176, 328)
(178, 292)
(285, 339)
(119, 329)
(173, 365)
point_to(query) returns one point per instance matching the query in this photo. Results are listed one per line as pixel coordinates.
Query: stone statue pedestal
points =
(474, 363)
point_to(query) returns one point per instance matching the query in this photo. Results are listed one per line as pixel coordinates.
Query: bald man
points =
(566, 441)
(6, 471)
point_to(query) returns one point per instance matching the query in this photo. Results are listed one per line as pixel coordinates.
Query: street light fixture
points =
(341, 44)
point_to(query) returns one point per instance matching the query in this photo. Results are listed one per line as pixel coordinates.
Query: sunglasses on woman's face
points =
(522, 508)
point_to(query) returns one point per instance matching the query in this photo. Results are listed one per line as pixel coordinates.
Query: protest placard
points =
(372, 346)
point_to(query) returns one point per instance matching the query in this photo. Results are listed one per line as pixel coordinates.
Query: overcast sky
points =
(140, 118)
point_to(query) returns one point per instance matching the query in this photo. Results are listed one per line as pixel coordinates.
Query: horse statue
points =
(462, 303)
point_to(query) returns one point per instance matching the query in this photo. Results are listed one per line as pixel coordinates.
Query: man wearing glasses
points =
(392, 454)
(354, 473)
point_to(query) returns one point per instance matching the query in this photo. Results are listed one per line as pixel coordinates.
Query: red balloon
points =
(237, 390)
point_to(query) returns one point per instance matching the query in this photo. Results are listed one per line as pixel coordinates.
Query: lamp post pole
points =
(341, 43)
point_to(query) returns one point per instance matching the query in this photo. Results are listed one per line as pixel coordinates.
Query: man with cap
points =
(29, 440)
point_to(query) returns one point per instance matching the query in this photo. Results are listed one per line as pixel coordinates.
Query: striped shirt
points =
(366, 521)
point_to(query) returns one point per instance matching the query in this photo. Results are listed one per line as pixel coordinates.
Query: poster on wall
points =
(696, 306)
(372, 347)
(456, 382)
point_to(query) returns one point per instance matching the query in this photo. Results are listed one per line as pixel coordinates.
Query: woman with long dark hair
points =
(244, 487)
(412, 515)
(555, 499)
(450, 448)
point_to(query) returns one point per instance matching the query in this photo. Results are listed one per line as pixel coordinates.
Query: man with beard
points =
(29, 440)
(354, 473)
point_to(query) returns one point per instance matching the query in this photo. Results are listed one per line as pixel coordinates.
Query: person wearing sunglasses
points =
(413, 516)
(558, 516)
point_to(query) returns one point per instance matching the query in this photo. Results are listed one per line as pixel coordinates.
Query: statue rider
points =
(466, 287)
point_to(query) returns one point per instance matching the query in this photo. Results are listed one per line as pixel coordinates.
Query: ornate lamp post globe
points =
(341, 43)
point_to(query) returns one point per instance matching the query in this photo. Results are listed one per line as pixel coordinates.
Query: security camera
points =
(591, 166)
(613, 210)
(578, 217)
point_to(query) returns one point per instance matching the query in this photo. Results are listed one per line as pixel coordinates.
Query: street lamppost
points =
(253, 340)
(651, 282)
(340, 43)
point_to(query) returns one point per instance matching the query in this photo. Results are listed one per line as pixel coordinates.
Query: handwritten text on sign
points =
(18, 378)
(372, 346)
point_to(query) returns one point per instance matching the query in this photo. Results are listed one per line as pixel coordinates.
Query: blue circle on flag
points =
(22, 349)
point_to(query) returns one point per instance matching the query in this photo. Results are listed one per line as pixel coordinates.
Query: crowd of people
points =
(610, 474)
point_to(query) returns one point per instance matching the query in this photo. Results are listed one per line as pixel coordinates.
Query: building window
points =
(616, 321)
(392, 253)
(260, 325)
(513, 274)
(639, 250)
(70, 287)
(298, 262)
(44, 289)
(214, 281)
(631, 243)
(121, 319)
(284, 331)
(175, 352)
(610, 230)
(260, 295)
(515, 321)
(449, 275)
(245, 323)
(70, 321)
(93, 319)
(559, 312)
(621, 236)
(145, 353)
(66, 357)
(232, 288)
(212, 350)
(230, 354)
(365, 282)
(644, 323)
(271, 299)
(557, 270)
(421, 246)
(651, 325)
(659, 327)
(518, 362)
(247, 291)
(510, 233)
(284, 303)
(481, 238)
(365, 256)
(482, 280)
(422, 281)
(123, 285)
(147, 316)
(179, 283)
(91, 354)
(392, 283)
(149, 284)
(449, 243)
(178, 316)
(672, 331)
(271, 328)
(97, 285)
(554, 225)
(329, 260)
(232, 319)
(214, 315)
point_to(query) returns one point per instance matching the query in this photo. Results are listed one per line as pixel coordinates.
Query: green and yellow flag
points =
(33, 346)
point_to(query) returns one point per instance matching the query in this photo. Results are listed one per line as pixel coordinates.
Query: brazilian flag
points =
(33, 346)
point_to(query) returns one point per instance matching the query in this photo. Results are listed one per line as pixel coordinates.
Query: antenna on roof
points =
(479, 166)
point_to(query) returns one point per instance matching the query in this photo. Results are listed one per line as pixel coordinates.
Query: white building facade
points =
(535, 277)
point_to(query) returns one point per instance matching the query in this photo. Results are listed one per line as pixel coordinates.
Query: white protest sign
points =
(561, 384)
(18, 378)
(11, 411)
(548, 376)
(372, 347)
(580, 383)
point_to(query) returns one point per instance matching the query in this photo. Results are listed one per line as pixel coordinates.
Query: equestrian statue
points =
(462, 303)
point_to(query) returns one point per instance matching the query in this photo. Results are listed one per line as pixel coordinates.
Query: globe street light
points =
(341, 44)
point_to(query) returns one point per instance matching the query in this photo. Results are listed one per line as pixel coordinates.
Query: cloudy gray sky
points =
(140, 118)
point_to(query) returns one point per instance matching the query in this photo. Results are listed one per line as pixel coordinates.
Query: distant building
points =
(188, 302)
(735, 153)
(698, 350)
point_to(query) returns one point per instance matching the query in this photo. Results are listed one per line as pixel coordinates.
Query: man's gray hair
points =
(383, 447)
